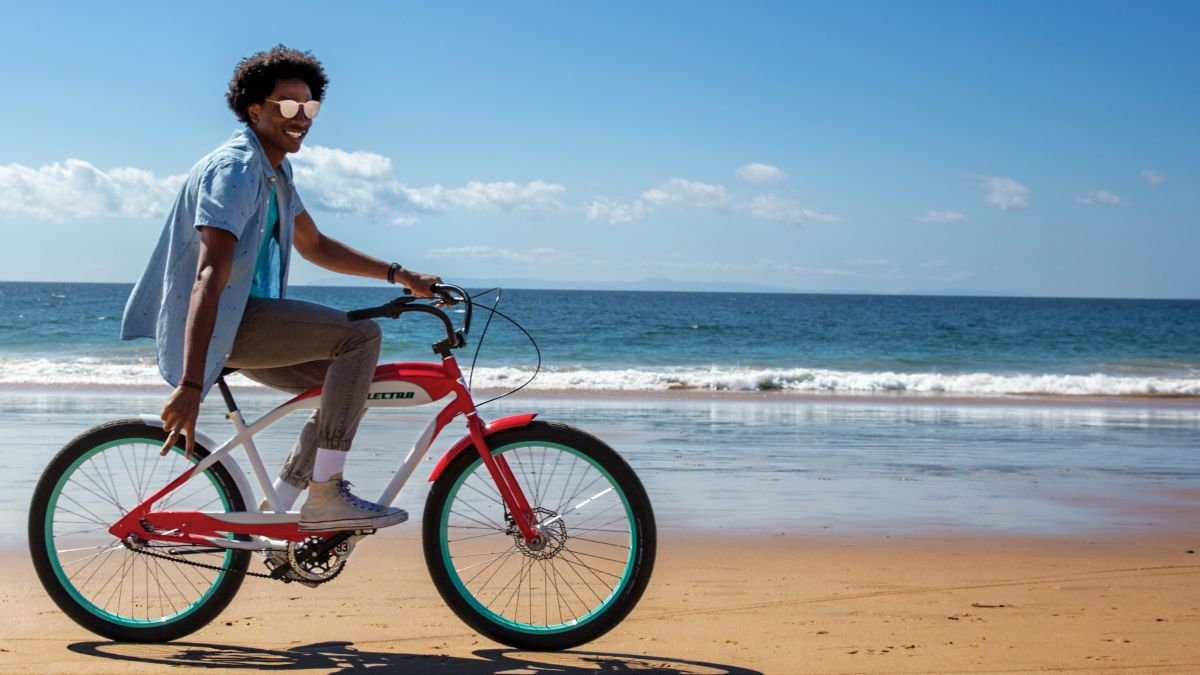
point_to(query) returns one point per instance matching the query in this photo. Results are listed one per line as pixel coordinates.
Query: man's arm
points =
(212, 273)
(335, 256)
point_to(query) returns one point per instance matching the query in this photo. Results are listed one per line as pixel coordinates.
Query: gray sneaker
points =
(331, 506)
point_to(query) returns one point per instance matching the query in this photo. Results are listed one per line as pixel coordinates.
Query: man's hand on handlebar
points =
(419, 283)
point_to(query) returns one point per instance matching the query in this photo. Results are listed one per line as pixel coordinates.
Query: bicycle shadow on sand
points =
(344, 657)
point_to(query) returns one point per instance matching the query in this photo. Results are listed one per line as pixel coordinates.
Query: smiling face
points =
(278, 134)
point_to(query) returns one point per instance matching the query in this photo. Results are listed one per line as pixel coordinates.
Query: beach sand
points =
(778, 603)
(1028, 535)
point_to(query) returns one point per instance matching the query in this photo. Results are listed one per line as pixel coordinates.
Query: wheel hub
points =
(551, 539)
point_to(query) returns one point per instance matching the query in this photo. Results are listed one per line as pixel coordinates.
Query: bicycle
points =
(536, 534)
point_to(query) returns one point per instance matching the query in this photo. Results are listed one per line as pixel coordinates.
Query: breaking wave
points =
(94, 372)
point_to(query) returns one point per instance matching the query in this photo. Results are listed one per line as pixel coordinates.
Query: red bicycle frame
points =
(393, 385)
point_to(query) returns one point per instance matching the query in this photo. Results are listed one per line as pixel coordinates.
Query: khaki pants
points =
(294, 346)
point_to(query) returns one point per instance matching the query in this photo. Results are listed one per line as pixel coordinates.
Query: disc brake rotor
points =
(554, 535)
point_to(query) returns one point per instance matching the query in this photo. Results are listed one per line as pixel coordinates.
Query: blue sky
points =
(1023, 147)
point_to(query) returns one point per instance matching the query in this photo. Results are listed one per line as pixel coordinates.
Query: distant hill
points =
(555, 285)
(661, 284)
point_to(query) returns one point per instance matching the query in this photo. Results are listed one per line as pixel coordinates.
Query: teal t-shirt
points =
(265, 283)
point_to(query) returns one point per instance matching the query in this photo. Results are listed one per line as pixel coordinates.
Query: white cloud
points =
(760, 173)
(76, 188)
(362, 183)
(934, 264)
(1153, 177)
(942, 217)
(535, 196)
(355, 183)
(1100, 197)
(616, 213)
(679, 191)
(870, 262)
(785, 210)
(537, 255)
(1005, 193)
(333, 180)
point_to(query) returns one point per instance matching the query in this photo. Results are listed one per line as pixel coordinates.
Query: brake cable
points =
(492, 312)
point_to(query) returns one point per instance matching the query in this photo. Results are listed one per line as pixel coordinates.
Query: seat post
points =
(226, 394)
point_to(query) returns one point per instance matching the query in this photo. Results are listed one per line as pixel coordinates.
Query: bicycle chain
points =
(206, 566)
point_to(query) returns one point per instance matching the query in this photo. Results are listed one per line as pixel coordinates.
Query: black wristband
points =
(392, 272)
(190, 385)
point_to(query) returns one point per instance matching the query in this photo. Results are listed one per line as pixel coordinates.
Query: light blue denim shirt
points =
(229, 188)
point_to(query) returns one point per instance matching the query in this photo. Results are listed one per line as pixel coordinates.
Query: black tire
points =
(599, 529)
(105, 587)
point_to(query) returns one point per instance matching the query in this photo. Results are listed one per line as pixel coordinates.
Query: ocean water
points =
(67, 334)
(771, 465)
(934, 442)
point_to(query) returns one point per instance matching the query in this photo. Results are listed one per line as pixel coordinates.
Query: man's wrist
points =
(393, 273)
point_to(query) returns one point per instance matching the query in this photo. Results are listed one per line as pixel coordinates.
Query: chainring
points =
(311, 566)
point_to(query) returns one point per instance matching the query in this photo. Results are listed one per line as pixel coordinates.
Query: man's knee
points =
(368, 331)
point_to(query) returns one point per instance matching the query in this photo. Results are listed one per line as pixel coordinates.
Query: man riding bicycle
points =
(214, 292)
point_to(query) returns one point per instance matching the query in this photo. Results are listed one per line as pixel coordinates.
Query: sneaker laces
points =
(344, 490)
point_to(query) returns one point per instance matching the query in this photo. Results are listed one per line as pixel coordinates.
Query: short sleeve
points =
(228, 197)
(297, 205)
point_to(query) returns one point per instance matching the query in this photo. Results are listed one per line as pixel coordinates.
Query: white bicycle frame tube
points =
(244, 436)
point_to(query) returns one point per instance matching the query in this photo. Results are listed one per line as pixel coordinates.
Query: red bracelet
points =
(190, 384)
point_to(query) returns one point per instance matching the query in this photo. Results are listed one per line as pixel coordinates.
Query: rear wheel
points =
(94, 578)
(596, 522)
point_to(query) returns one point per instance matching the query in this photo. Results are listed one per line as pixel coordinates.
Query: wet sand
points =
(1022, 535)
(719, 604)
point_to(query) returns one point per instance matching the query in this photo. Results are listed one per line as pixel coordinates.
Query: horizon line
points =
(972, 293)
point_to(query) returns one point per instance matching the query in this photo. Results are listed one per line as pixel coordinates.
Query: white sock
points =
(328, 463)
(287, 493)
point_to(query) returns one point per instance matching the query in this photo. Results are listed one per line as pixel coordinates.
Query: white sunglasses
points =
(288, 108)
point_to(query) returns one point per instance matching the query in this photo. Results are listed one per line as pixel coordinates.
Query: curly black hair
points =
(255, 76)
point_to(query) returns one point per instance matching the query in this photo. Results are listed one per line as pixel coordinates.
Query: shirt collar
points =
(252, 139)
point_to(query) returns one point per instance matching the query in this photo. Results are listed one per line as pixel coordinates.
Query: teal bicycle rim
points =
(624, 576)
(88, 604)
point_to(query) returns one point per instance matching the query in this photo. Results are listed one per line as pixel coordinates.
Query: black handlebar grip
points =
(364, 314)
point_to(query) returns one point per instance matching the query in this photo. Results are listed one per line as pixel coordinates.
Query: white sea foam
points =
(95, 372)
(832, 381)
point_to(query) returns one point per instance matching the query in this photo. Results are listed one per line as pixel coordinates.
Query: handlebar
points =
(447, 294)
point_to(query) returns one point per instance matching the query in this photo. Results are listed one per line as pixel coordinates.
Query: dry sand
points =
(719, 604)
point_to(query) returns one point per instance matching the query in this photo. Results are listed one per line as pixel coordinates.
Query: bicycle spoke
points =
(595, 572)
(107, 549)
(95, 518)
(131, 588)
(474, 536)
(497, 498)
(473, 520)
(602, 543)
(579, 491)
(574, 574)
(501, 558)
(100, 491)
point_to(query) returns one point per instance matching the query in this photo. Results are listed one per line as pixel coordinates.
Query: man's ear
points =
(253, 111)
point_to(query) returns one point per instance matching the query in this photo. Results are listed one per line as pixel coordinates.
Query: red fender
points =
(464, 443)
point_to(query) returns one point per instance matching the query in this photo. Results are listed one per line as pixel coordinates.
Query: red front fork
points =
(514, 498)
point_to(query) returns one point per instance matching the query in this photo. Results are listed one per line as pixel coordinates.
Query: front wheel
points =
(105, 586)
(596, 522)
